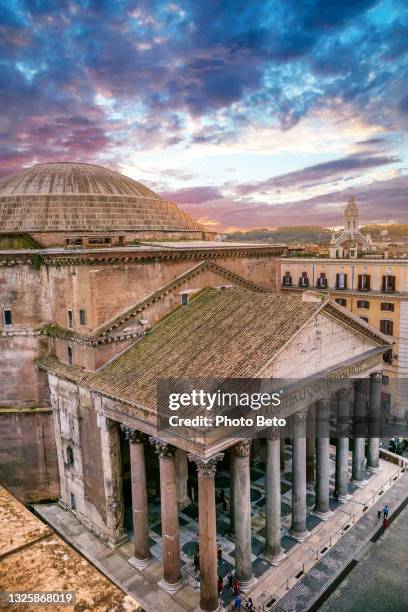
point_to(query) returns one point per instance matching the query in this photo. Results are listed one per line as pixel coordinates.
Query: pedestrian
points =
(386, 510)
(378, 513)
(219, 554)
(223, 501)
(230, 580)
(237, 603)
(237, 586)
(196, 562)
(250, 605)
(220, 585)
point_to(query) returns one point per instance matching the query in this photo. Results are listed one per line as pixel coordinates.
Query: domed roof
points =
(70, 196)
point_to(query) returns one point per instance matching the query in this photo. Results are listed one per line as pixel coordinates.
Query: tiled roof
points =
(218, 334)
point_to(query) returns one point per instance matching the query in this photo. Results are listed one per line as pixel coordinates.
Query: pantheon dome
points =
(54, 202)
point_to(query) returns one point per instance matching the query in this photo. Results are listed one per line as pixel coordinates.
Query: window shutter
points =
(368, 281)
(360, 281)
(345, 281)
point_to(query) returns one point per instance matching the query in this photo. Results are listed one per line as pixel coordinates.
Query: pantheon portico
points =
(334, 361)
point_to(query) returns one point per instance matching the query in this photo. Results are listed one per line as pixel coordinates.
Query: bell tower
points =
(351, 216)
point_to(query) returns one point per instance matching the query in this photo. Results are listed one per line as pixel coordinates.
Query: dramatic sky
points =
(246, 113)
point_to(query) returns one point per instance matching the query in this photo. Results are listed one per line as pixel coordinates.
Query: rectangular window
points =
(82, 317)
(99, 240)
(363, 304)
(341, 281)
(386, 402)
(303, 280)
(363, 282)
(70, 319)
(385, 380)
(341, 302)
(387, 356)
(8, 317)
(388, 283)
(69, 350)
(388, 306)
(387, 327)
(364, 319)
(184, 299)
(287, 279)
(322, 281)
(73, 501)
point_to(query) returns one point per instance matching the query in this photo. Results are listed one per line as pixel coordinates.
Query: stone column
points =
(183, 499)
(112, 471)
(282, 454)
(273, 551)
(207, 521)
(342, 444)
(299, 510)
(231, 491)
(360, 415)
(310, 447)
(172, 578)
(322, 507)
(373, 446)
(242, 514)
(140, 510)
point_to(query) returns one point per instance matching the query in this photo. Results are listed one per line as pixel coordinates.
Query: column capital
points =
(376, 376)
(274, 433)
(132, 435)
(242, 448)
(300, 416)
(345, 394)
(206, 468)
(163, 450)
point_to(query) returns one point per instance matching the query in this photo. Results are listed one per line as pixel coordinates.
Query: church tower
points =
(351, 216)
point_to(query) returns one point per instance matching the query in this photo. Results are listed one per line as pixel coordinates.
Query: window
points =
(82, 317)
(8, 317)
(364, 319)
(303, 280)
(387, 356)
(386, 402)
(70, 455)
(387, 306)
(73, 501)
(363, 282)
(70, 319)
(341, 302)
(105, 240)
(388, 283)
(69, 350)
(385, 380)
(184, 299)
(341, 281)
(387, 327)
(287, 279)
(322, 281)
(363, 304)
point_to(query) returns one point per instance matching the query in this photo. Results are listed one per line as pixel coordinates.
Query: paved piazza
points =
(272, 583)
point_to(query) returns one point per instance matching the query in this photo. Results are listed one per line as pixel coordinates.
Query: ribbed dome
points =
(67, 196)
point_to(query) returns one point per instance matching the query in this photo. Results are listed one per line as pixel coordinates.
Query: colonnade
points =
(307, 470)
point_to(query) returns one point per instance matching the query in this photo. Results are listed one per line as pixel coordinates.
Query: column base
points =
(141, 564)
(183, 503)
(248, 584)
(113, 544)
(62, 504)
(299, 537)
(170, 588)
(323, 516)
(274, 559)
(344, 499)
(310, 486)
(358, 483)
(373, 470)
(200, 609)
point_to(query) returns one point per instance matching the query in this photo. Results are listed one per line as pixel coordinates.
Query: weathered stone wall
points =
(25, 290)
(28, 458)
(21, 385)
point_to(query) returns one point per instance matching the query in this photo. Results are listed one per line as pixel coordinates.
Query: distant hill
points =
(314, 234)
(285, 235)
(396, 231)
